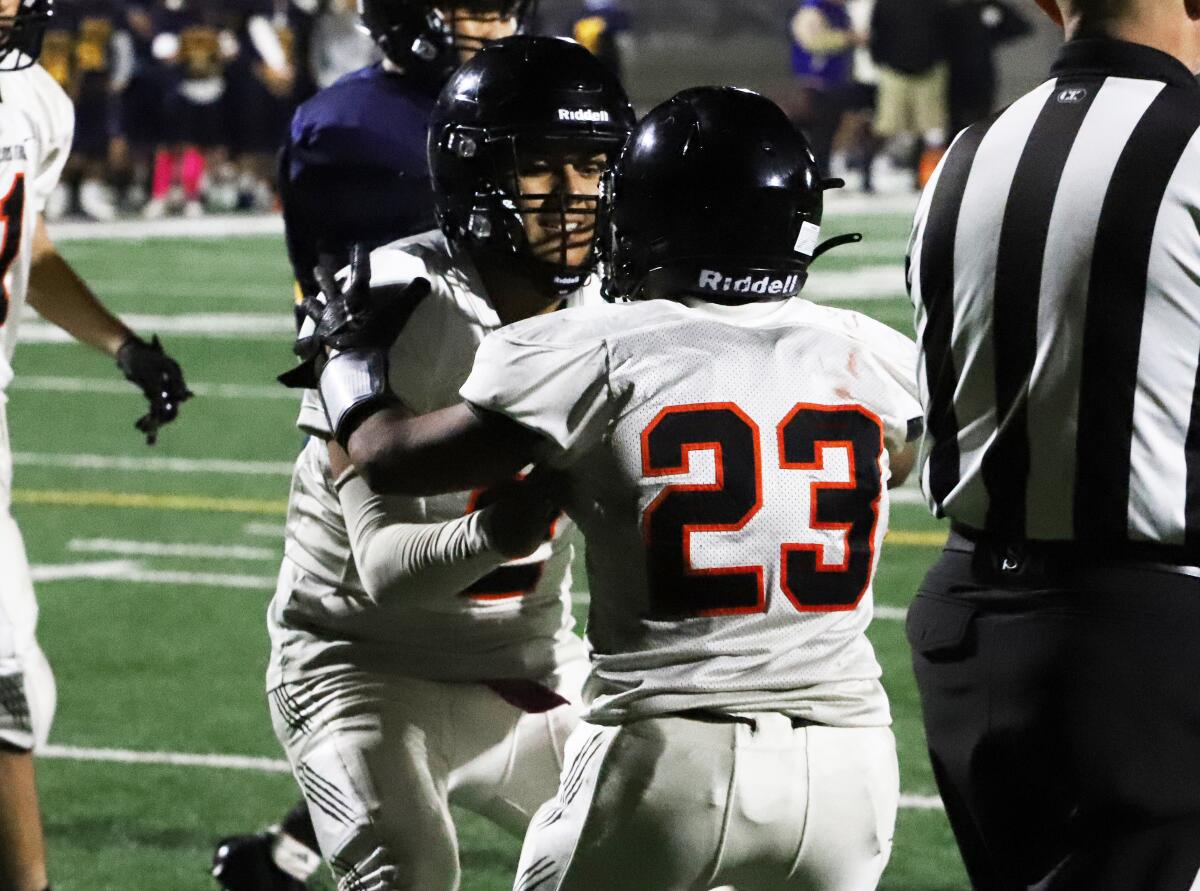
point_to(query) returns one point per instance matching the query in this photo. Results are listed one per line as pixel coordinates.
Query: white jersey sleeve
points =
(558, 388)
(893, 359)
(51, 115)
(395, 559)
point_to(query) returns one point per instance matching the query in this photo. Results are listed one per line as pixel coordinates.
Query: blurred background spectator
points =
(182, 104)
(823, 44)
(605, 27)
(910, 42)
(338, 46)
(976, 29)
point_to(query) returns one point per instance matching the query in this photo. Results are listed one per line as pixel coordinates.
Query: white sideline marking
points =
(884, 282)
(52, 384)
(891, 613)
(166, 549)
(264, 530)
(132, 571)
(232, 325)
(217, 226)
(278, 765)
(154, 465)
(242, 225)
(173, 759)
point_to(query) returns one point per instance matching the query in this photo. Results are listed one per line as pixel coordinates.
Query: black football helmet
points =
(717, 195)
(418, 36)
(21, 34)
(522, 94)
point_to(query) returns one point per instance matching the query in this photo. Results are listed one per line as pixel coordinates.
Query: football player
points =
(354, 171)
(36, 121)
(414, 661)
(726, 448)
(354, 168)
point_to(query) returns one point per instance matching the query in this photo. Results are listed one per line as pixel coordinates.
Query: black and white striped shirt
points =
(1055, 272)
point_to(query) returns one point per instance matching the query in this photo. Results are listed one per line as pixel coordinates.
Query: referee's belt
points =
(1023, 558)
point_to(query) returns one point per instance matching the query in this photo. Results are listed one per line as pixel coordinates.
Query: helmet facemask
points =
(447, 22)
(21, 34)
(541, 203)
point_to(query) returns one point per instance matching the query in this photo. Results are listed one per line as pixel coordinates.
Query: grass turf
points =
(172, 667)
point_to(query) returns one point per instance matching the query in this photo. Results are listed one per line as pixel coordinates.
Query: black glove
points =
(350, 315)
(159, 377)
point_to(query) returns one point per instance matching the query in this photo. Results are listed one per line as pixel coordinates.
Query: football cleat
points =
(249, 862)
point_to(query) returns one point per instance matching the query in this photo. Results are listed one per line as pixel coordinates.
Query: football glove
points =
(160, 379)
(350, 315)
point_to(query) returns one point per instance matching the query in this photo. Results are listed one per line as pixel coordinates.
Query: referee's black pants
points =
(1062, 710)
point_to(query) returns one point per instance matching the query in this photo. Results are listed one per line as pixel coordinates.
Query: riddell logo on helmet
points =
(711, 280)
(584, 115)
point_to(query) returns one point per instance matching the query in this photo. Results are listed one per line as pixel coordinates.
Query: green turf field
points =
(161, 649)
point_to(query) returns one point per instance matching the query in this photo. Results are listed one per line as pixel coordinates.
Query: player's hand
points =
(524, 512)
(349, 314)
(160, 379)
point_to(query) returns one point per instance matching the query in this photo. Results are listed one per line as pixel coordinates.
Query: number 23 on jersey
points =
(808, 437)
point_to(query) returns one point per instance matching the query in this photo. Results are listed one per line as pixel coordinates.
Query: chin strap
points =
(828, 185)
(836, 242)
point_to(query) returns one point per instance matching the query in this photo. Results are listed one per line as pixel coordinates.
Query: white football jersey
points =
(728, 468)
(514, 622)
(37, 123)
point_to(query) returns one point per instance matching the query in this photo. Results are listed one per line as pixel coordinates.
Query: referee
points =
(1055, 272)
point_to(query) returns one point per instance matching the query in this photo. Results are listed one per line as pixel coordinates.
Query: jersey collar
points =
(1109, 57)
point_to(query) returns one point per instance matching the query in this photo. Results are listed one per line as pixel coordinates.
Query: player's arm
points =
(445, 451)
(901, 460)
(60, 296)
(430, 561)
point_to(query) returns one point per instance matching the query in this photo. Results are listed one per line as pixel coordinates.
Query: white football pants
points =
(27, 692)
(675, 804)
(381, 757)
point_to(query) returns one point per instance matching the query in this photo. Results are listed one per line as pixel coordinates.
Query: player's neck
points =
(1163, 27)
(514, 293)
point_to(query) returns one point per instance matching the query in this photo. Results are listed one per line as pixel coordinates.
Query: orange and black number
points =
(677, 587)
(12, 217)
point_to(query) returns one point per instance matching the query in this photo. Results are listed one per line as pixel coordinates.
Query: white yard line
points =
(154, 465)
(62, 572)
(133, 572)
(242, 225)
(276, 765)
(921, 802)
(172, 759)
(906, 495)
(891, 613)
(882, 282)
(116, 386)
(838, 203)
(231, 325)
(168, 549)
(217, 226)
(264, 530)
